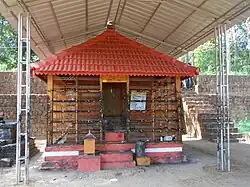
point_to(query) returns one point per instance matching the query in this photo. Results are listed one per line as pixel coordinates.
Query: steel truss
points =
(23, 113)
(222, 59)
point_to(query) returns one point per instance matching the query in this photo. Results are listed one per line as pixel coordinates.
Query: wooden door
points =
(113, 99)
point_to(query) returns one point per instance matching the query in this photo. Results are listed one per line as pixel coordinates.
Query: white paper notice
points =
(138, 100)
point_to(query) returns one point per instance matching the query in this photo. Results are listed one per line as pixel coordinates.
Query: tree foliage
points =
(243, 126)
(239, 39)
(8, 47)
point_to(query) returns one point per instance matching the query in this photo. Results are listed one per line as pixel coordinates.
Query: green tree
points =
(239, 38)
(8, 47)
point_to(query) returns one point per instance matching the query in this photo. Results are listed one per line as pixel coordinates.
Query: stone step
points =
(207, 116)
(233, 136)
(59, 165)
(196, 102)
(214, 129)
(116, 157)
(6, 162)
(200, 106)
(194, 98)
(214, 126)
(187, 93)
(212, 122)
(114, 147)
(231, 140)
(203, 111)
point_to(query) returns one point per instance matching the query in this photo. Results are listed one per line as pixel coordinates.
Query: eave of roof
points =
(111, 53)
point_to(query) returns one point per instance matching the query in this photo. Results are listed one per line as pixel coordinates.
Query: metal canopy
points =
(169, 26)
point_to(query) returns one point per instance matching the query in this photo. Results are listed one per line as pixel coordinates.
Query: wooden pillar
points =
(49, 130)
(169, 98)
(178, 100)
(128, 109)
(76, 109)
(101, 110)
(153, 109)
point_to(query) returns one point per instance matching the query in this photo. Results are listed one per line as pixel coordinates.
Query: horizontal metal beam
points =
(24, 8)
(37, 49)
(57, 22)
(145, 36)
(241, 7)
(72, 35)
(183, 3)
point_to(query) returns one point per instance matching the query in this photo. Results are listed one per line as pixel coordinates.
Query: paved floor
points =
(199, 172)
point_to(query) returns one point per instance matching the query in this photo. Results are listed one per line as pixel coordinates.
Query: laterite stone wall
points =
(239, 94)
(8, 101)
(239, 88)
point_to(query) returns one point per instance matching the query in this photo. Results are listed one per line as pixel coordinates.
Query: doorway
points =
(114, 106)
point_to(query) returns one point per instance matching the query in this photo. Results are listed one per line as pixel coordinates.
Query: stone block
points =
(114, 136)
(115, 147)
(167, 159)
(116, 157)
(59, 165)
(143, 161)
(88, 163)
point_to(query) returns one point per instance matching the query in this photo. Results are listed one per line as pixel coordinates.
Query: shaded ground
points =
(199, 172)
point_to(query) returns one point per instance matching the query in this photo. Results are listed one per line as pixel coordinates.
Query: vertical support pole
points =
(227, 99)
(27, 115)
(76, 108)
(221, 55)
(178, 97)
(223, 160)
(23, 130)
(216, 35)
(19, 98)
(224, 87)
(50, 94)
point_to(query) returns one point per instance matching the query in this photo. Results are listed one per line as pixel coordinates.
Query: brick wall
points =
(8, 84)
(239, 94)
(8, 100)
(239, 87)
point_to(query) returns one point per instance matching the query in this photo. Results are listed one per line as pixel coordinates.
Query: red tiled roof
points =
(111, 53)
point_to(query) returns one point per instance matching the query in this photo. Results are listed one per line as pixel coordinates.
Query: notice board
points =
(138, 100)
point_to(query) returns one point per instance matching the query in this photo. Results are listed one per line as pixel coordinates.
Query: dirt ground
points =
(199, 172)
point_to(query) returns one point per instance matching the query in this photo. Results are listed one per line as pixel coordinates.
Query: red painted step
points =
(163, 145)
(172, 154)
(111, 165)
(64, 148)
(167, 160)
(60, 165)
(116, 157)
(114, 136)
(115, 147)
(60, 158)
(88, 163)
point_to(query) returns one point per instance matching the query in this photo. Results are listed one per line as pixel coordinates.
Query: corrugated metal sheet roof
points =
(170, 26)
(111, 53)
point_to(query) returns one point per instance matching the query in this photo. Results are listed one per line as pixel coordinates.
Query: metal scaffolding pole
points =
(217, 92)
(227, 71)
(23, 120)
(222, 58)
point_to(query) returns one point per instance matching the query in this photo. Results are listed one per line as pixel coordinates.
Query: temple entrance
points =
(114, 106)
